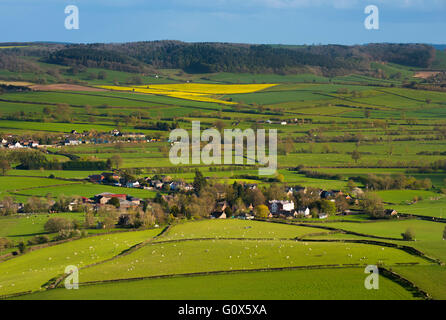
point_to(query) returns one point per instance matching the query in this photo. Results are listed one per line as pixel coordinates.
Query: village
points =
(296, 202)
(74, 138)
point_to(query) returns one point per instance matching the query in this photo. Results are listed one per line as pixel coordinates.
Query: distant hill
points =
(140, 57)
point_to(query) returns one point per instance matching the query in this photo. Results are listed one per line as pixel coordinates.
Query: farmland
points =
(290, 285)
(94, 157)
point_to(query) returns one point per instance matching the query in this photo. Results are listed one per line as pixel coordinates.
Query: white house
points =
(133, 184)
(304, 211)
(16, 145)
(72, 142)
(323, 216)
(277, 206)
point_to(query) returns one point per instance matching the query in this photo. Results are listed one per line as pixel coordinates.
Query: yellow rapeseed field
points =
(212, 88)
(16, 83)
(194, 91)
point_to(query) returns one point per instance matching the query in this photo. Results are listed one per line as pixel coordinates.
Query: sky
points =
(237, 21)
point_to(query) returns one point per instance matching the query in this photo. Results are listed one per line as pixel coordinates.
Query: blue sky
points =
(243, 21)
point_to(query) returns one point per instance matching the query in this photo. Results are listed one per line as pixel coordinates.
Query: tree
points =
(286, 147)
(219, 125)
(35, 205)
(261, 211)
(109, 217)
(372, 205)
(199, 182)
(341, 203)
(114, 202)
(8, 206)
(89, 219)
(159, 213)
(4, 166)
(239, 206)
(57, 224)
(62, 204)
(328, 207)
(255, 197)
(314, 212)
(280, 178)
(229, 213)
(409, 235)
(116, 161)
(275, 192)
(356, 155)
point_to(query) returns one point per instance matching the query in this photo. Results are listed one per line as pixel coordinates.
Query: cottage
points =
(111, 176)
(133, 184)
(157, 184)
(391, 212)
(134, 200)
(281, 206)
(69, 142)
(105, 197)
(16, 145)
(304, 211)
(323, 215)
(245, 216)
(218, 215)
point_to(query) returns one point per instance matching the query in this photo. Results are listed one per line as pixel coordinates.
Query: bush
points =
(5, 243)
(68, 234)
(57, 224)
(22, 247)
(38, 240)
(261, 211)
(409, 235)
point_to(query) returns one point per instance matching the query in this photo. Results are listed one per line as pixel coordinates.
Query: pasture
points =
(32, 270)
(325, 284)
(171, 258)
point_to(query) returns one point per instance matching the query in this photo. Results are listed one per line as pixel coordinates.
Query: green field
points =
(225, 255)
(32, 270)
(334, 284)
